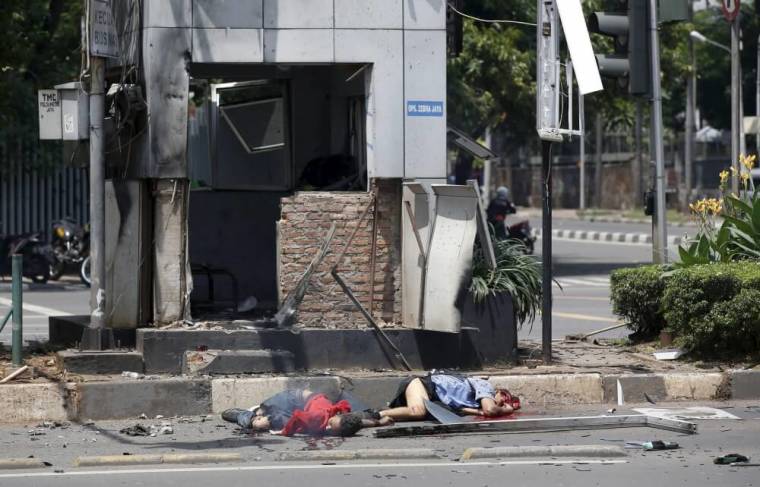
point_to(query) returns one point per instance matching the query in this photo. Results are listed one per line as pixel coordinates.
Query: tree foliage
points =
(42, 39)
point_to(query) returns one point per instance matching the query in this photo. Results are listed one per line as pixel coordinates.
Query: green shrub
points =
(732, 327)
(636, 295)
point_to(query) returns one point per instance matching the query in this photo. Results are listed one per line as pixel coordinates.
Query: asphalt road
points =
(581, 293)
(691, 465)
(562, 224)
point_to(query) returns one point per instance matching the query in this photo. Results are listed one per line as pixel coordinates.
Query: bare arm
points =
(491, 409)
(473, 411)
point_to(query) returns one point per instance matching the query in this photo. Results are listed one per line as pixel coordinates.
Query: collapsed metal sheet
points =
(412, 260)
(449, 259)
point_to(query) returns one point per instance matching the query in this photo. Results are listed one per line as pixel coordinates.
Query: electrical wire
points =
(490, 21)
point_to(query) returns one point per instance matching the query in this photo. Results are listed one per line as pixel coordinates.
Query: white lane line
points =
(580, 282)
(310, 467)
(603, 280)
(37, 309)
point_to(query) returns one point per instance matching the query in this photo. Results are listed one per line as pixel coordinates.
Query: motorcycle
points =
(37, 256)
(523, 232)
(71, 247)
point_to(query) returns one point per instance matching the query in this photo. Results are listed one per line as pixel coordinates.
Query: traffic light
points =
(631, 62)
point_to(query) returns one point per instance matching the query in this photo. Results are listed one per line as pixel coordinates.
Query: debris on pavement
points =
(150, 430)
(14, 374)
(670, 354)
(730, 459)
(687, 414)
(653, 445)
(649, 399)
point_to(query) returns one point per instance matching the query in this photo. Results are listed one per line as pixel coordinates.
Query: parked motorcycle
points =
(37, 255)
(523, 232)
(71, 247)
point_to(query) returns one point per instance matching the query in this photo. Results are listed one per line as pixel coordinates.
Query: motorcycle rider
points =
(498, 210)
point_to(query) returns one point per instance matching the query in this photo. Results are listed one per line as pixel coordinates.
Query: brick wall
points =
(305, 220)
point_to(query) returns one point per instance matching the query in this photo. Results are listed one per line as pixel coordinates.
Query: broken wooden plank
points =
(287, 311)
(538, 425)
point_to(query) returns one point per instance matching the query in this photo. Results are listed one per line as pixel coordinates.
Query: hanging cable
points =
(490, 21)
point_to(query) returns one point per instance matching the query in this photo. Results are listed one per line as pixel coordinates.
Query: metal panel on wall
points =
(232, 14)
(449, 259)
(412, 261)
(425, 14)
(228, 45)
(369, 14)
(299, 46)
(298, 14)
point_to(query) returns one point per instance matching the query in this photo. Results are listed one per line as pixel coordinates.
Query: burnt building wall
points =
(306, 218)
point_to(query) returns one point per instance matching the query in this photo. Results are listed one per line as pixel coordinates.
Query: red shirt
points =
(313, 419)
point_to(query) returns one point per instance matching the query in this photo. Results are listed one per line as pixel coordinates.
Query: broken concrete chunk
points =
(224, 362)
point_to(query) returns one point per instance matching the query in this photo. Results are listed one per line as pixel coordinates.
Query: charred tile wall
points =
(305, 220)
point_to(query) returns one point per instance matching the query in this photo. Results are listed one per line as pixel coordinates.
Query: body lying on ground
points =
(464, 395)
(302, 411)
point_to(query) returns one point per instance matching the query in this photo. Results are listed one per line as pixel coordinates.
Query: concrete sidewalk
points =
(583, 373)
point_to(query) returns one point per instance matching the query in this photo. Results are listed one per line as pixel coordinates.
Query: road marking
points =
(574, 316)
(37, 309)
(603, 280)
(580, 282)
(582, 298)
(310, 467)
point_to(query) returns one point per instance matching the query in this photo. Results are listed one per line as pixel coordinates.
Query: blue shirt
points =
(461, 392)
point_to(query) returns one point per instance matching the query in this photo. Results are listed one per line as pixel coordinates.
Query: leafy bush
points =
(636, 295)
(731, 327)
(516, 273)
(705, 306)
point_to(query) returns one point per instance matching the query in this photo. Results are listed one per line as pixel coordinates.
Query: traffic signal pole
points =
(736, 122)
(660, 238)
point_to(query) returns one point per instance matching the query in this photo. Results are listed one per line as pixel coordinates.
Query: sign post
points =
(731, 11)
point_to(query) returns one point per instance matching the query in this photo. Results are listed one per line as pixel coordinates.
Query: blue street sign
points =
(417, 108)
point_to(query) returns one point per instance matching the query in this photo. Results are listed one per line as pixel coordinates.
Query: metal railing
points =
(16, 312)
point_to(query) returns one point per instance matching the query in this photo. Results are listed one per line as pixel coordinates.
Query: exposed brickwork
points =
(305, 221)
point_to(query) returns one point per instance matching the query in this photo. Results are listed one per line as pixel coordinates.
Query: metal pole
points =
(735, 104)
(660, 238)
(757, 99)
(97, 196)
(546, 251)
(582, 128)
(17, 297)
(688, 152)
(742, 138)
(487, 170)
(598, 162)
(637, 193)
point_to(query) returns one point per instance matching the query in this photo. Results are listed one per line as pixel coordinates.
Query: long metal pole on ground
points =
(97, 195)
(546, 251)
(17, 297)
(735, 104)
(688, 152)
(660, 238)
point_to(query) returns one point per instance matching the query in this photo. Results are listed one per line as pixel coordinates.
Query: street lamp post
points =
(735, 93)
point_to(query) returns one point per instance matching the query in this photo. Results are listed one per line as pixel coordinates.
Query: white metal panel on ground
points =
(298, 14)
(369, 14)
(385, 127)
(425, 14)
(167, 13)
(425, 104)
(228, 46)
(412, 261)
(449, 259)
(240, 14)
(298, 46)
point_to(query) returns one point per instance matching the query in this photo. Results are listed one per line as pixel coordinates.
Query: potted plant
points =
(500, 300)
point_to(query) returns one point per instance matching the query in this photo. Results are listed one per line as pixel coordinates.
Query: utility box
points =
(49, 109)
(75, 111)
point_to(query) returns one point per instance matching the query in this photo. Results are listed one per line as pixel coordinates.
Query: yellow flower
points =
(724, 176)
(745, 177)
(748, 161)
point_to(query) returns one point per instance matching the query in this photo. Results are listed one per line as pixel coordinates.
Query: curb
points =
(614, 237)
(375, 454)
(174, 458)
(586, 451)
(21, 463)
(177, 397)
(638, 221)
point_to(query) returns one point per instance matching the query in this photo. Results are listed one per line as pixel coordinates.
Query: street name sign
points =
(103, 39)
